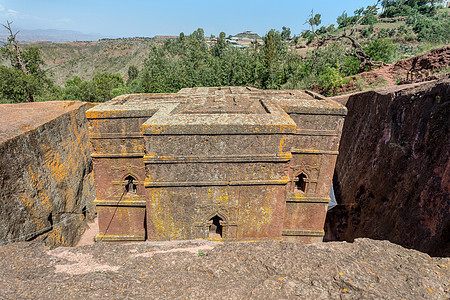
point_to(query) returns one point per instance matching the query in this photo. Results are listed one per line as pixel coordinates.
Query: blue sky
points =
(131, 18)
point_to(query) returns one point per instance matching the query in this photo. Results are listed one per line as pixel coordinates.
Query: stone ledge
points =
(114, 202)
(216, 183)
(19, 118)
(116, 155)
(116, 135)
(312, 107)
(300, 198)
(297, 232)
(217, 158)
(111, 111)
(317, 132)
(119, 237)
(313, 151)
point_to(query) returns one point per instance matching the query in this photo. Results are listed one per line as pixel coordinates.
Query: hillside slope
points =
(428, 66)
(85, 59)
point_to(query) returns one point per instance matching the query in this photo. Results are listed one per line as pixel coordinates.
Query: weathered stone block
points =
(216, 162)
(45, 171)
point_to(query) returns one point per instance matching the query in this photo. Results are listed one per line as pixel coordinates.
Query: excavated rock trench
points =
(392, 176)
(391, 182)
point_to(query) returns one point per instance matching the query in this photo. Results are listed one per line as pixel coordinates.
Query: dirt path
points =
(387, 73)
(88, 236)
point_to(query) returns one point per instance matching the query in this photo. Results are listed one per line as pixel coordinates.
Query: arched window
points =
(216, 228)
(50, 219)
(131, 185)
(301, 182)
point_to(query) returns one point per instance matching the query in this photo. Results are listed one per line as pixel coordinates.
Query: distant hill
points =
(51, 35)
(85, 59)
(248, 34)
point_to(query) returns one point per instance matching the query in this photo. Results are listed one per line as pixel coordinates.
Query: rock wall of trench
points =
(392, 176)
(46, 182)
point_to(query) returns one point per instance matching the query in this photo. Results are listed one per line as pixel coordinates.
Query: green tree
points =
(348, 34)
(14, 85)
(133, 73)
(285, 33)
(269, 57)
(162, 73)
(344, 20)
(219, 47)
(395, 8)
(77, 89)
(25, 78)
(104, 83)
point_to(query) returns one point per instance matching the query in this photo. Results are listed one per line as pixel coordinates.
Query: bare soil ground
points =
(200, 269)
(416, 69)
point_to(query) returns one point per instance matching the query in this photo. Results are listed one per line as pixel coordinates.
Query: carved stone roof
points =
(217, 110)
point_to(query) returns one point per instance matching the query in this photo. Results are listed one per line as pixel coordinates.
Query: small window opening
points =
(50, 219)
(215, 229)
(300, 182)
(131, 186)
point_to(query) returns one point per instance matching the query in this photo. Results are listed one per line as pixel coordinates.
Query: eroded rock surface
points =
(200, 269)
(45, 172)
(392, 176)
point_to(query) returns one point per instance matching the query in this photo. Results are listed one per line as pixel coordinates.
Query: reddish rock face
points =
(45, 172)
(392, 175)
(235, 162)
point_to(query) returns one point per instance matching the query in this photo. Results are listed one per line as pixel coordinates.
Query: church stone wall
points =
(209, 162)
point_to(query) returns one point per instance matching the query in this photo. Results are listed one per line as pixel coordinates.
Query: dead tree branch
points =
(12, 41)
(17, 54)
(356, 48)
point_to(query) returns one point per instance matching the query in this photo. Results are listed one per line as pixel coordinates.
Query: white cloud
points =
(12, 12)
(7, 12)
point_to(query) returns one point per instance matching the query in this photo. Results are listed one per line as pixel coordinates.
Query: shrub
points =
(344, 20)
(330, 80)
(396, 11)
(383, 33)
(381, 50)
(432, 30)
(367, 31)
(369, 20)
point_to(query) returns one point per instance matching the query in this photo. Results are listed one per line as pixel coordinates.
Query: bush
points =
(367, 31)
(381, 50)
(432, 30)
(330, 80)
(13, 85)
(369, 20)
(383, 33)
(397, 11)
(104, 83)
(344, 20)
(350, 66)
(77, 89)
